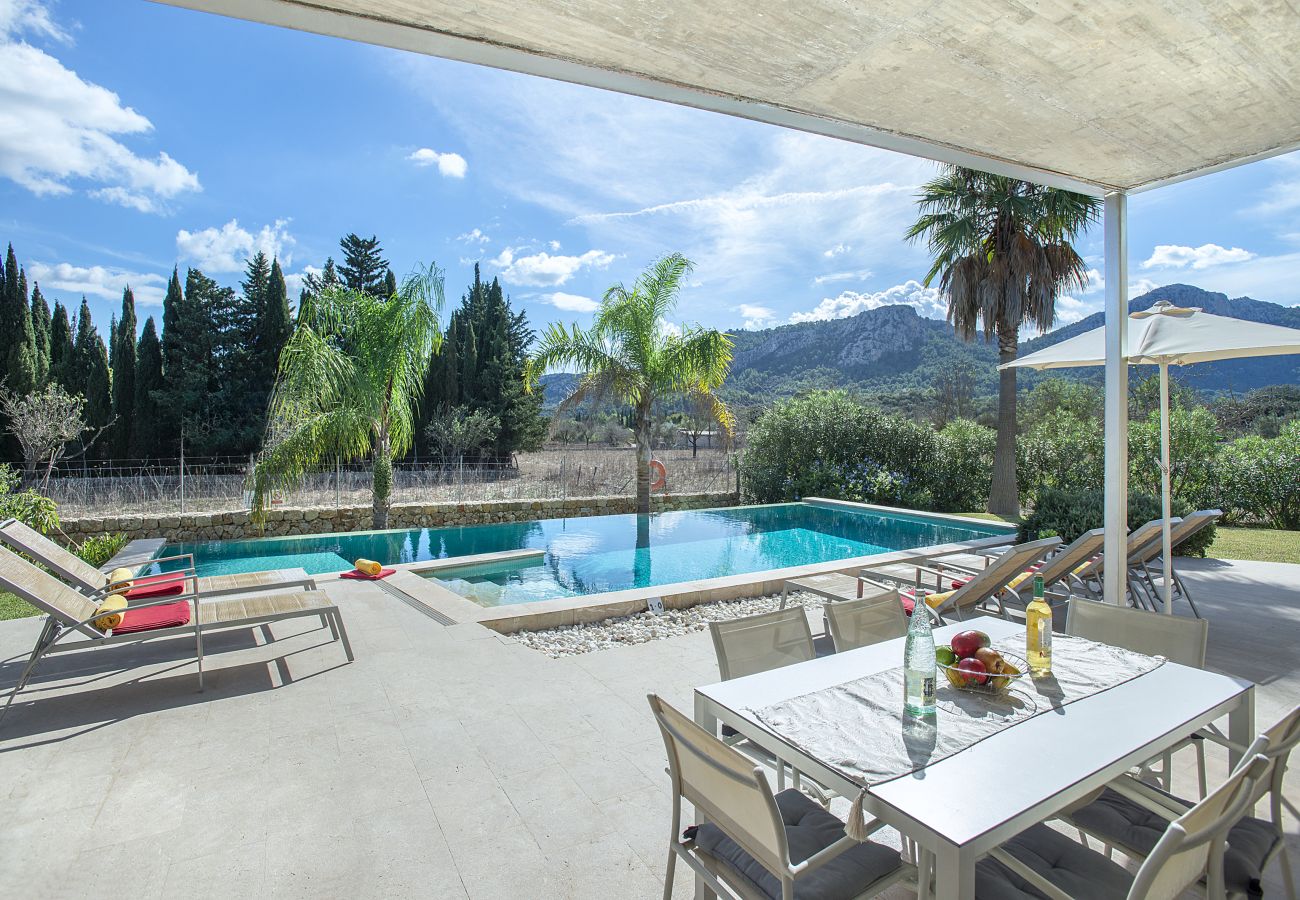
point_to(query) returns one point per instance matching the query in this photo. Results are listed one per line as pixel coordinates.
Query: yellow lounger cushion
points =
(111, 610)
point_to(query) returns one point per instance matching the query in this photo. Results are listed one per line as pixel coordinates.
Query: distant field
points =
(569, 472)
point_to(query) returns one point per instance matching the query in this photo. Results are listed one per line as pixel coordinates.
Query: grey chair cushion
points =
(1082, 873)
(1130, 827)
(809, 829)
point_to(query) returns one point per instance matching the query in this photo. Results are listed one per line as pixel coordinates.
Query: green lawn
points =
(1260, 544)
(13, 608)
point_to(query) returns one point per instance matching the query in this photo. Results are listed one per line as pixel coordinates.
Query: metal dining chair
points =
(1176, 638)
(861, 623)
(1043, 862)
(760, 643)
(1130, 816)
(758, 845)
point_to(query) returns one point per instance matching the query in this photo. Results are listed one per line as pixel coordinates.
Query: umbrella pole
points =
(1165, 488)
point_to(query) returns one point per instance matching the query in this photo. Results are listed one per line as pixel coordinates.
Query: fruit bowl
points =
(986, 682)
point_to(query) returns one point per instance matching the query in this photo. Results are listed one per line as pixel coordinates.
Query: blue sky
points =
(135, 137)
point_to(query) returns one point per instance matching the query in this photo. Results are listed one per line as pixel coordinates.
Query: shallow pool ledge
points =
(597, 607)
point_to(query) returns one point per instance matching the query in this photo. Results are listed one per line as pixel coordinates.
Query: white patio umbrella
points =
(1166, 335)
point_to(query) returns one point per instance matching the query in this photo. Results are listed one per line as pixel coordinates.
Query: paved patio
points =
(446, 761)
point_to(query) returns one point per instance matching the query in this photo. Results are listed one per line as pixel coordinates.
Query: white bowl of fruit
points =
(970, 664)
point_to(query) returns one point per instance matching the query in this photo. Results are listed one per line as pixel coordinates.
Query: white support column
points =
(1116, 472)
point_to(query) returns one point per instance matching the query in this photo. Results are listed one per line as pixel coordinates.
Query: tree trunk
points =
(643, 460)
(1004, 495)
(382, 483)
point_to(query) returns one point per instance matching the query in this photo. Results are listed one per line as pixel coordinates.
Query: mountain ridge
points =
(894, 349)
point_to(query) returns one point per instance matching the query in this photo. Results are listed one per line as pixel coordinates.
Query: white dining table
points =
(961, 807)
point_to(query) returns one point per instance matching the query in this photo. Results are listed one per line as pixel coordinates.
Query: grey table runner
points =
(859, 729)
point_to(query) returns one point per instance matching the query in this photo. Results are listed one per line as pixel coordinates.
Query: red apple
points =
(968, 643)
(973, 670)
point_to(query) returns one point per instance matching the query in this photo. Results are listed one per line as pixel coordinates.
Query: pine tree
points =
(314, 284)
(480, 369)
(41, 334)
(61, 347)
(364, 266)
(147, 437)
(123, 363)
(16, 338)
(91, 374)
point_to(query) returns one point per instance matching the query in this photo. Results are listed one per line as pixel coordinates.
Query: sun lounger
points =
(85, 577)
(1143, 541)
(989, 584)
(1152, 563)
(71, 615)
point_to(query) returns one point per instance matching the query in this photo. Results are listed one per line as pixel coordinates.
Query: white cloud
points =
(859, 275)
(450, 165)
(1174, 256)
(669, 328)
(294, 283)
(31, 16)
(837, 250)
(474, 236)
(755, 316)
(554, 245)
(227, 248)
(58, 132)
(98, 281)
(544, 270)
(571, 302)
(928, 302)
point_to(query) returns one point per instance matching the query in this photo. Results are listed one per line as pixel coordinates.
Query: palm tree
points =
(349, 381)
(632, 355)
(1003, 255)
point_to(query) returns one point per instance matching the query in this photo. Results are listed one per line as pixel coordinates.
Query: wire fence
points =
(220, 484)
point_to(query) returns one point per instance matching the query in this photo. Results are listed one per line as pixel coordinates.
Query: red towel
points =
(151, 587)
(150, 618)
(362, 576)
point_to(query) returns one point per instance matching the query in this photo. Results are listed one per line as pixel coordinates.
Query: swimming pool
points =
(597, 554)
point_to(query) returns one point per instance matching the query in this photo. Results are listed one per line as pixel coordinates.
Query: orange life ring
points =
(658, 475)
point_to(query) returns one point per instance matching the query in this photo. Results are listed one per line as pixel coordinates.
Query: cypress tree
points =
(16, 338)
(112, 341)
(173, 363)
(41, 335)
(90, 365)
(275, 325)
(190, 400)
(364, 266)
(146, 429)
(124, 376)
(61, 347)
(390, 284)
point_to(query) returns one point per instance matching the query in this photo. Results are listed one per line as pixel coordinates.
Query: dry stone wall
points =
(325, 519)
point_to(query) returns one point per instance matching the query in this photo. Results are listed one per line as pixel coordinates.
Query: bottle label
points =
(928, 690)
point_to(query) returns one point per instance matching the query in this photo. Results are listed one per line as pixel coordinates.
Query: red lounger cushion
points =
(151, 587)
(150, 618)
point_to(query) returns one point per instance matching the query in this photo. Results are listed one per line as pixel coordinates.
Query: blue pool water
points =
(595, 554)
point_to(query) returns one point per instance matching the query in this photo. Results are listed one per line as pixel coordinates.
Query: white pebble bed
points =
(571, 640)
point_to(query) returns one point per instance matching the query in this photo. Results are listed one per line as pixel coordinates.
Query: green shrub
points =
(29, 507)
(1068, 514)
(101, 548)
(827, 444)
(963, 466)
(1259, 478)
(1194, 438)
(1059, 452)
